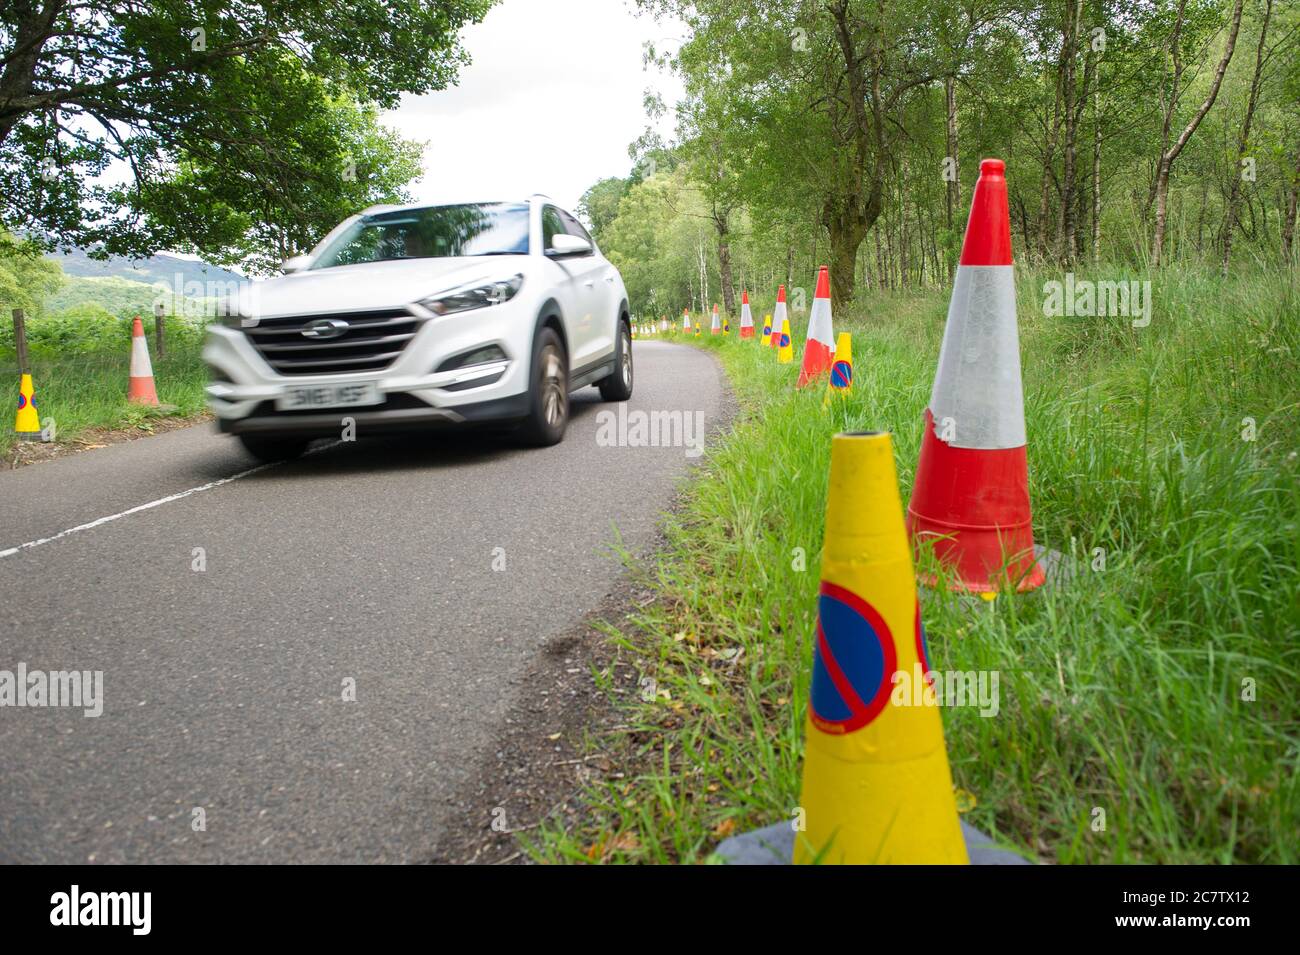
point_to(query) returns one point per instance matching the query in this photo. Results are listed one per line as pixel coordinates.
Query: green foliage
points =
(90, 329)
(768, 127)
(26, 278)
(599, 205)
(116, 296)
(225, 115)
(345, 161)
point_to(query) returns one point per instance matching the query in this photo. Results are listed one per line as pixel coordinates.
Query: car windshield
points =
(483, 228)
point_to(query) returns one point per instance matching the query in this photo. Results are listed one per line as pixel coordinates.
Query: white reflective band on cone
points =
(978, 385)
(778, 316)
(819, 323)
(141, 367)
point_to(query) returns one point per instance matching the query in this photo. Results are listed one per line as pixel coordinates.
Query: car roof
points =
(454, 201)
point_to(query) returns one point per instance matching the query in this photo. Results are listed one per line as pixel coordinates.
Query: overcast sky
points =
(549, 103)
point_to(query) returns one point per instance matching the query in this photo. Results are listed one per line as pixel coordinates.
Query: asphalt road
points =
(370, 561)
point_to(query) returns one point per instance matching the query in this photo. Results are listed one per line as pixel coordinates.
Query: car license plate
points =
(328, 396)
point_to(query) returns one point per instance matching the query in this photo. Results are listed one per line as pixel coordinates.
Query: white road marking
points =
(135, 510)
(162, 500)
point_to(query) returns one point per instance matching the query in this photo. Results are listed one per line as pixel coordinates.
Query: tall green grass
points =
(1121, 690)
(88, 390)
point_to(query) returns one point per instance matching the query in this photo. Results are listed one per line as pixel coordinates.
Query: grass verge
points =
(88, 390)
(1158, 686)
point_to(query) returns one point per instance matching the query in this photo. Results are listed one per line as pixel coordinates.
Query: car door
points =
(595, 335)
(564, 285)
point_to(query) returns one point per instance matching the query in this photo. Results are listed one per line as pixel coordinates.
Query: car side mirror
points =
(296, 264)
(563, 244)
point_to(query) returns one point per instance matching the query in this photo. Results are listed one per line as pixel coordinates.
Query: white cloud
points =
(549, 104)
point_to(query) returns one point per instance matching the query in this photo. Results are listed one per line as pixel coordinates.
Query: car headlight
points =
(478, 295)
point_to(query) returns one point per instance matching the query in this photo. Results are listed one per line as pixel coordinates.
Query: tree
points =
(838, 74)
(344, 161)
(1172, 148)
(26, 277)
(1233, 204)
(152, 87)
(599, 204)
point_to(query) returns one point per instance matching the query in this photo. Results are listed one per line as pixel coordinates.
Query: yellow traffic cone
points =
(876, 782)
(27, 424)
(767, 330)
(841, 382)
(784, 350)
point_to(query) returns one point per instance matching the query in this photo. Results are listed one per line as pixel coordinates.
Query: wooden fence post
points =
(158, 327)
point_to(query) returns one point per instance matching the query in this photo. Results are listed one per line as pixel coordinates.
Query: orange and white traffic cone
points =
(778, 319)
(819, 346)
(717, 322)
(686, 319)
(140, 390)
(971, 494)
(746, 316)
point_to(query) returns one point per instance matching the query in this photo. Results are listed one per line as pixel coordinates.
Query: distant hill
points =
(158, 268)
(119, 296)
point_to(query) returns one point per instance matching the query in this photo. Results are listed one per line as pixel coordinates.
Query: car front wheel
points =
(548, 413)
(618, 386)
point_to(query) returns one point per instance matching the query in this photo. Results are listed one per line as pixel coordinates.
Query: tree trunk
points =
(846, 236)
(1171, 154)
(1243, 141)
(1096, 168)
(724, 263)
(952, 189)
(1288, 220)
(1069, 53)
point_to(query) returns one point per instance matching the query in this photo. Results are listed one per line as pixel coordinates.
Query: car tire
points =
(618, 386)
(271, 449)
(548, 401)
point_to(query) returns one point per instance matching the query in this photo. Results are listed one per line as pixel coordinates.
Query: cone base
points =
(142, 394)
(816, 362)
(972, 506)
(27, 436)
(1031, 580)
(746, 333)
(885, 813)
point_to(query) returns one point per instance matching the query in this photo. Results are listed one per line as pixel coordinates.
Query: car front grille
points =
(371, 342)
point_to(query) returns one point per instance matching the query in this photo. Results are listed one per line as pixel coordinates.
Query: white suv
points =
(406, 317)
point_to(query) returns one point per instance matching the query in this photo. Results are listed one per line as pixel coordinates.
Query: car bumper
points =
(413, 394)
(391, 417)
